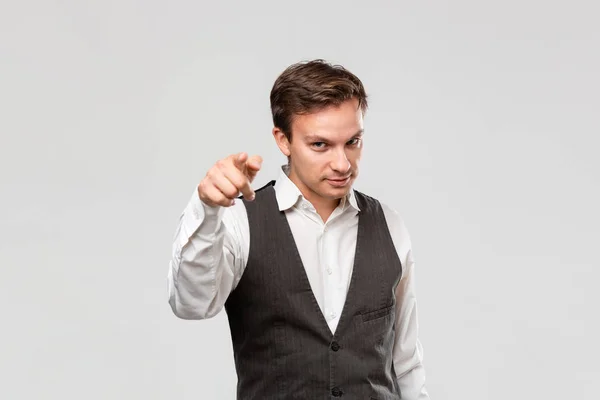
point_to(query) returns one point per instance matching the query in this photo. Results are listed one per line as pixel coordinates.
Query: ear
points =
(282, 141)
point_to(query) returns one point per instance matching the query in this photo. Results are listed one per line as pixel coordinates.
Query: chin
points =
(336, 192)
(340, 194)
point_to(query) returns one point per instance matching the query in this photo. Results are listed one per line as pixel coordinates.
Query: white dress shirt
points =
(210, 252)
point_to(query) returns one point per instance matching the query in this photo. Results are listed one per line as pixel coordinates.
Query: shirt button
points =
(332, 315)
(329, 270)
(335, 346)
(336, 392)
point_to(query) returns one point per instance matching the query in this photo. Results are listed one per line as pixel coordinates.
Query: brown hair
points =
(310, 86)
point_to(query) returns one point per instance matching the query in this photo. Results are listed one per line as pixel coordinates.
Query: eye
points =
(354, 142)
(319, 145)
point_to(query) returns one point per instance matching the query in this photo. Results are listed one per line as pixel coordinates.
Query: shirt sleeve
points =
(208, 257)
(408, 350)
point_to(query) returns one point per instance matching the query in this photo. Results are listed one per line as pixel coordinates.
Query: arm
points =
(408, 351)
(208, 256)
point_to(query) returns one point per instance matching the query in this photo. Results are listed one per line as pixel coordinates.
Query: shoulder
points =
(392, 216)
(398, 232)
(262, 190)
(266, 186)
(395, 223)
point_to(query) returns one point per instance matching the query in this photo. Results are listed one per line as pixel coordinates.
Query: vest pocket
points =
(375, 314)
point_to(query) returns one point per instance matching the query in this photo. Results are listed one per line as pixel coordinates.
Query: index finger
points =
(254, 163)
(239, 160)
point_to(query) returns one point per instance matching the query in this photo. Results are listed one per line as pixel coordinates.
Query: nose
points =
(340, 162)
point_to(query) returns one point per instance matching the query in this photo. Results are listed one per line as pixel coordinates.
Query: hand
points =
(227, 178)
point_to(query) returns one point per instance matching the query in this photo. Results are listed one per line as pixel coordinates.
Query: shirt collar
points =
(288, 194)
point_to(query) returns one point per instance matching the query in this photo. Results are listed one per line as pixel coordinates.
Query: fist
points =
(228, 178)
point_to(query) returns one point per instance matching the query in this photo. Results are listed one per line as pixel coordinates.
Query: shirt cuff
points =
(199, 214)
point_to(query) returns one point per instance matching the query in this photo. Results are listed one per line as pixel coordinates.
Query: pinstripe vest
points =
(282, 345)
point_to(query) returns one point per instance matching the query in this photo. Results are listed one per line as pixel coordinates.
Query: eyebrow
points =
(317, 138)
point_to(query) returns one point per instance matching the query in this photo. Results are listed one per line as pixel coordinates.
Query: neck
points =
(324, 206)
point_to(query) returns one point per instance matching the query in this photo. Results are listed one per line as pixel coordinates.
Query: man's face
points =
(325, 150)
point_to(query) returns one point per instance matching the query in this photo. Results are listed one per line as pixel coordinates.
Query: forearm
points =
(412, 379)
(201, 270)
(408, 351)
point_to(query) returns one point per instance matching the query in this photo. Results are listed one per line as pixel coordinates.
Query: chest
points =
(327, 252)
(341, 268)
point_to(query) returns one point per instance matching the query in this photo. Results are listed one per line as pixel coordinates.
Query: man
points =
(316, 278)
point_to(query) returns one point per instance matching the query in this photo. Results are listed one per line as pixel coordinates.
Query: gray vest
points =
(282, 345)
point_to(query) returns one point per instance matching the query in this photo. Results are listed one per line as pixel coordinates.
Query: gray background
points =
(482, 133)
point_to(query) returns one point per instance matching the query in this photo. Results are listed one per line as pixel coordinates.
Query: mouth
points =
(339, 182)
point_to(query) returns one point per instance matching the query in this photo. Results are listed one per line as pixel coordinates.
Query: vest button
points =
(336, 392)
(335, 346)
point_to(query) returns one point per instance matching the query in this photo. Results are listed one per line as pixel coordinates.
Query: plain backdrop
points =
(482, 133)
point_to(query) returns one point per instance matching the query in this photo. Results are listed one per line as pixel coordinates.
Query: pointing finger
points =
(240, 180)
(254, 163)
(239, 160)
